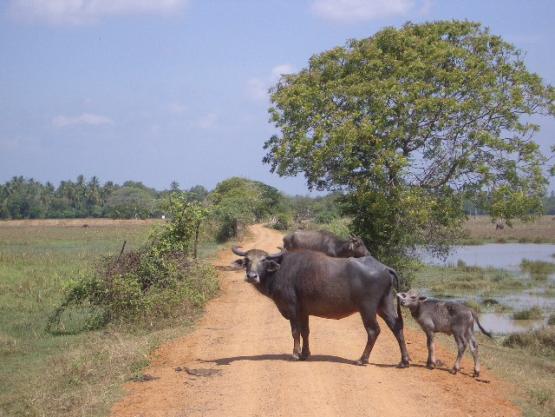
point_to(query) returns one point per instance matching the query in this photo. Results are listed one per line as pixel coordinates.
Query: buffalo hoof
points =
(476, 374)
(295, 357)
(454, 371)
(430, 365)
(362, 362)
(305, 355)
(403, 364)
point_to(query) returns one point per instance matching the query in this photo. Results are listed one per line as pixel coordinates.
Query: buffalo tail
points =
(488, 334)
(398, 289)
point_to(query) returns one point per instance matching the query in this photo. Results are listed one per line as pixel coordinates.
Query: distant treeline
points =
(235, 200)
(26, 198)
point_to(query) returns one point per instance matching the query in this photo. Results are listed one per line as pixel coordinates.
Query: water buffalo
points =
(325, 242)
(307, 283)
(436, 316)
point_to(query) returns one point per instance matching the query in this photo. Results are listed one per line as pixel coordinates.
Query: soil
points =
(238, 364)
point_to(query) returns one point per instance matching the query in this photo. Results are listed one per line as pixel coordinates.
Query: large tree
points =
(411, 122)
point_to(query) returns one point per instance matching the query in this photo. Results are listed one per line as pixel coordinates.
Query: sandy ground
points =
(236, 363)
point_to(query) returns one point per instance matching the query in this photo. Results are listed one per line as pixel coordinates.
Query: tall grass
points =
(465, 280)
(538, 270)
(76, 374)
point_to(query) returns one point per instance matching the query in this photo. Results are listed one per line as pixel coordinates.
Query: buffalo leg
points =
(395, 324)
(373, 329)
(473, 345)
(305, 331)
(461, 346)
(296, 332)
(431, 362)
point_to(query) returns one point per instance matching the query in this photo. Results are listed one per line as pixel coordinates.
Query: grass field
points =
(480, 229)
(68, 375)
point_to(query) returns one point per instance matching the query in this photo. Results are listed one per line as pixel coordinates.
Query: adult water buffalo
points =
(307, 283)
(325, 242)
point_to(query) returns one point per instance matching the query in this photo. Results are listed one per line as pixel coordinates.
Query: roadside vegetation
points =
(79, 316)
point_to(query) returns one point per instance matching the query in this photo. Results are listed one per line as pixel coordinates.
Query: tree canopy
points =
(410, 123)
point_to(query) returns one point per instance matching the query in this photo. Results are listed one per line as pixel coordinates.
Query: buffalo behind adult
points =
(325, 242)
(307, 283)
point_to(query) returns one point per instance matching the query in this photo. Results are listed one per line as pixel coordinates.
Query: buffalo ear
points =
(239, 263)
(272, 266)
(422, 298)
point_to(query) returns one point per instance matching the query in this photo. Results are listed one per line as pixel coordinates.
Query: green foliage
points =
(181, 233)
(533, 313)
(152, 283)
(22, 198)
(237, 202)
(411, 123)
(321, 209)
(538, 342)
(538, 270)
(131, 202)
(283, 221)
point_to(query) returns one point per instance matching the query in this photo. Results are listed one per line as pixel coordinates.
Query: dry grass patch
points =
(480, 229)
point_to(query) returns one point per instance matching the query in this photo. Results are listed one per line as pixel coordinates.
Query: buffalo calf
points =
(452, 318)
(325, 242)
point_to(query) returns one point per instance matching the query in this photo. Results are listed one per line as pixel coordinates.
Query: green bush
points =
(284, 220)
(146, 285)
(237, 202)
(541, 341)
(534, 313)
(538, 270)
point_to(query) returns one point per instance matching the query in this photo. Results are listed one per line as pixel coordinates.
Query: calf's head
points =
(410, 299)
(258, 264)
(356, 247)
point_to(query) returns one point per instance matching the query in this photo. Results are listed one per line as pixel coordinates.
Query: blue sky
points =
(165, 90)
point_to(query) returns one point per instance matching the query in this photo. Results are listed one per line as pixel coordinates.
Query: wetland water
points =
(508, 256)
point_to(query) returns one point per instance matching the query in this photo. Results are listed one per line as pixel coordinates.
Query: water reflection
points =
(496, 255)
(507, 256)
(499, 323)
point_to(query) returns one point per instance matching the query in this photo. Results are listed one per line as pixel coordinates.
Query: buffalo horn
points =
(279, 254)
(236, 251)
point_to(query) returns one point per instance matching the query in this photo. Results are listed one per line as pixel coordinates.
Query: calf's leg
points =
(473, 345)
(461, 346)
(373, 330)
(431, 362)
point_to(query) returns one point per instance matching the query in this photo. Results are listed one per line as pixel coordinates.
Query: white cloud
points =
(347, 11)
(177, 108)
(76, 12)
(8, 143)
(279, 70)
(426, 7)
(207, 121)
(257, 88)
(83, 119)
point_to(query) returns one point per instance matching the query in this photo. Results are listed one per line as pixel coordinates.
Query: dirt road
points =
(236, 363)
